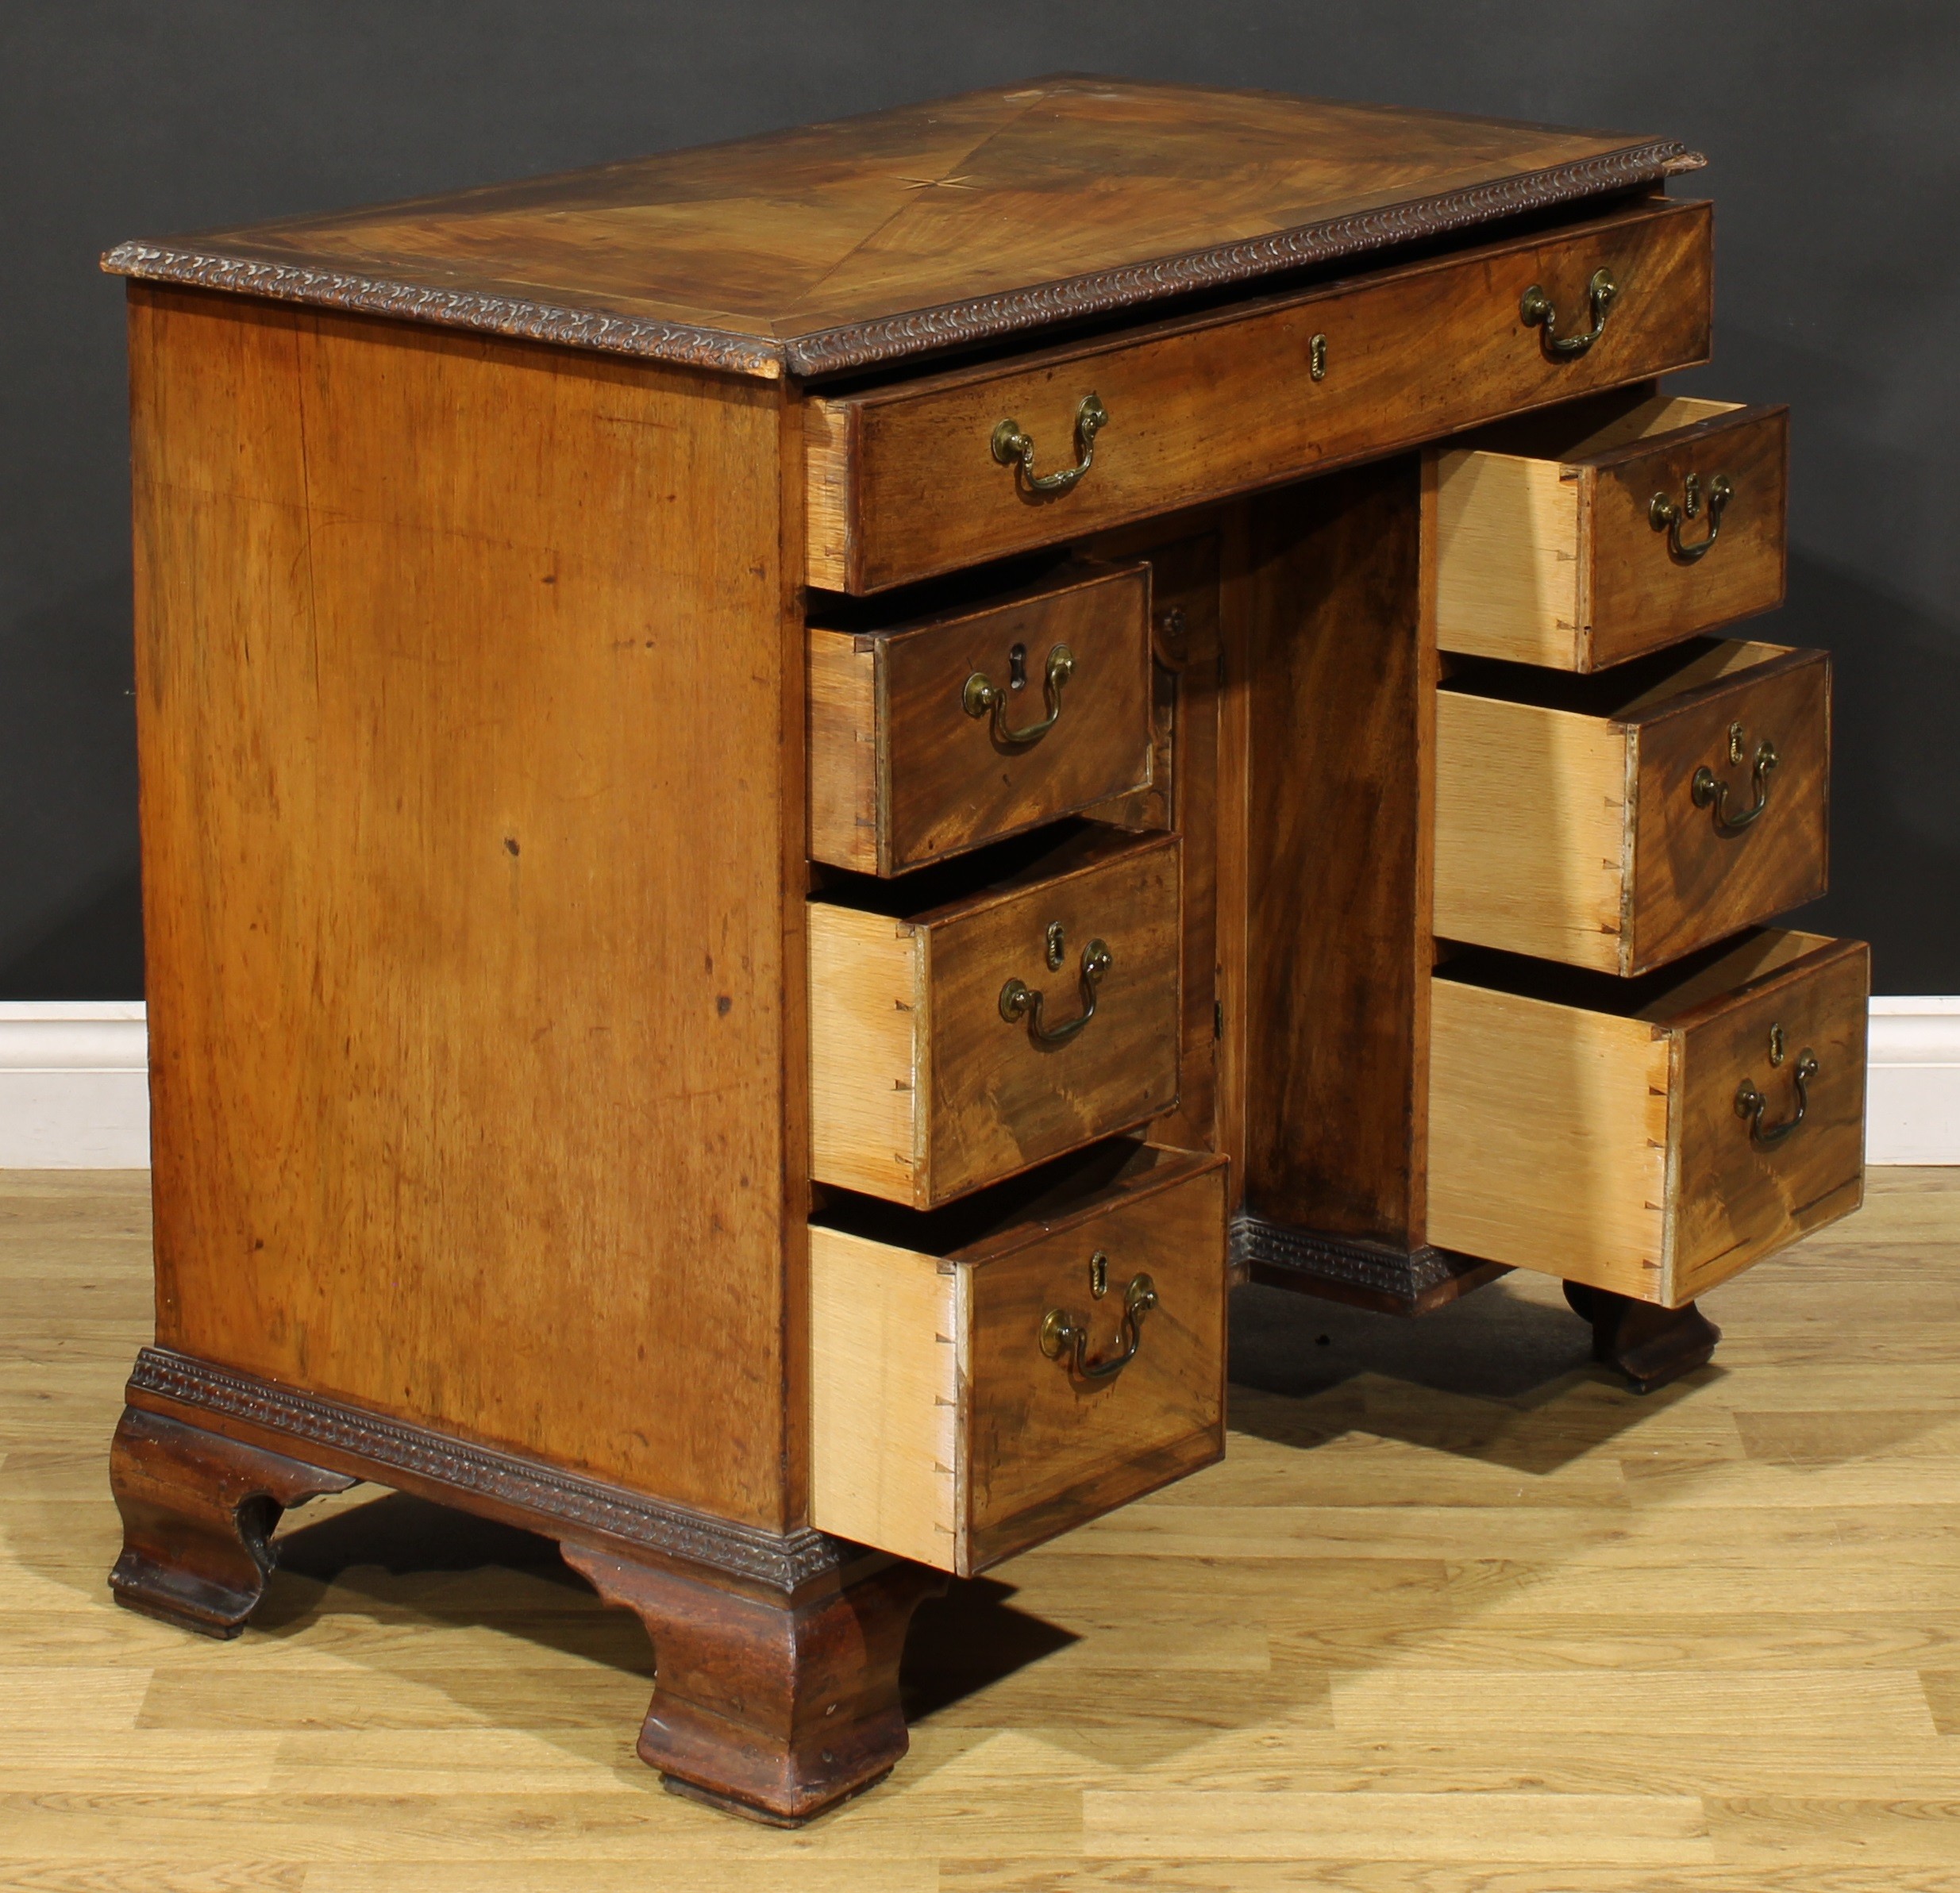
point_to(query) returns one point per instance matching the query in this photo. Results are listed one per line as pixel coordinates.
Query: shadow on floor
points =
(960, 1645)
(1510, 1377)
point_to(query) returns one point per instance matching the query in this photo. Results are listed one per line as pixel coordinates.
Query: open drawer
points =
(984, 1377)
(971, 1021)
(1587, 536)
(1622, 820)
(1654, 1136)
(963, 723)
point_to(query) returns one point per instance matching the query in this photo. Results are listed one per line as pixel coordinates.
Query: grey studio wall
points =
(1835, 133)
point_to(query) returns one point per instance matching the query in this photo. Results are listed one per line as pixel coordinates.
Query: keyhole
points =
(1018, 668)
(1735, 742)
(1055, 950)
(1691, 497)
(1099, 1275)
(1776, 1044)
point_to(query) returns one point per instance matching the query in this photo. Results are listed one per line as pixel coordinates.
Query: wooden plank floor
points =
(1456, 1614)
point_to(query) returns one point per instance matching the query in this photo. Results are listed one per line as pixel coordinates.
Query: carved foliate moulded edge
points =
(856, 345)
(552, 1500)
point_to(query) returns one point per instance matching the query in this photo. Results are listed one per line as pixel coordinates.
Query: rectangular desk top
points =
(871, 240)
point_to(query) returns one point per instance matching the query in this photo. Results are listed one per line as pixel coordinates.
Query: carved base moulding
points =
(1343, 1268)
(777, 1654)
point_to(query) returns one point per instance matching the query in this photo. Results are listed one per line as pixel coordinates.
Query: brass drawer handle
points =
(1536, 311)
(1018, 1000)
(1750, 1103)
(983, 696)
(1065, 1339)
(1709, 791)
(1665, 516)
(1013, 448)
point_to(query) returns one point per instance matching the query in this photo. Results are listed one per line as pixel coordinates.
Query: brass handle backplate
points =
(1750, 1104)
(1019, 1001)
(1709, 791)
(982, 697)
(1665, 517)
(1536, 310)
(1015, 449)
(1065, 1339)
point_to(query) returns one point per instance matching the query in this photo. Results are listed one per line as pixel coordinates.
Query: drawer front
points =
(903, 481)
(930, 1078)
(1600, 1134)
(1669, 522)
(1749, 839)
(953, 1421)
(927, 740)
(1621, 835)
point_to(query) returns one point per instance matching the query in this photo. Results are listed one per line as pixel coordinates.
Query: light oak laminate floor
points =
(1457, 1614)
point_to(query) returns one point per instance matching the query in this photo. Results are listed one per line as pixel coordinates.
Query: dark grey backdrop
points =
(1835, 132)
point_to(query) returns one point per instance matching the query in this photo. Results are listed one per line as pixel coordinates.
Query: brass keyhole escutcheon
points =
(1099, 1274)
(1057, 947)
(1317, 358)
(1735, 742)
(1778, 1052)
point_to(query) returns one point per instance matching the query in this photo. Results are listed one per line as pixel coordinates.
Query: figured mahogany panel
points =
(1324, 653)
(472, 740)
(834, 246)
(904, 481)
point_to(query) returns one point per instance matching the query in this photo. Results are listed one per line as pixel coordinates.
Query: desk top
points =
(840, 246)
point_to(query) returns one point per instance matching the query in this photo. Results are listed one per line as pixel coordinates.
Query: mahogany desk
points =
(793, 795)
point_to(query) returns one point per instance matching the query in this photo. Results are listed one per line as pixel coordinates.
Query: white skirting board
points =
(75, 1083)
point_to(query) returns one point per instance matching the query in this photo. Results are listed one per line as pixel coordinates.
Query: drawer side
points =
(883, 1396)
(1507, 568)
(1533, 841)
(867, 1034)
(843, 711)
(1548, 1133)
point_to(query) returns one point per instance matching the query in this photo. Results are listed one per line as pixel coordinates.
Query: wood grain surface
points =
(920, 1088)
(944, 1433)
(439, 947)
(1204, 406)
(1323, 650)
(1183, 798)
(941, 782)
(837, 245)
(1546, 552)
(1566, 825)
(1456, 1611)
(1692, 883)
(1587, 1126)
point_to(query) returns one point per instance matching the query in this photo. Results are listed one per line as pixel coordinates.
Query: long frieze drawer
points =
(1583, 538)
(983, 1378)
(925, 476)
(937, 735)
(1621, 821)
(1651, 1136)
(954, 1044)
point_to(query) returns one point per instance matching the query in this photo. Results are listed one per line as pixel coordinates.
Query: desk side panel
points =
(468, 748)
